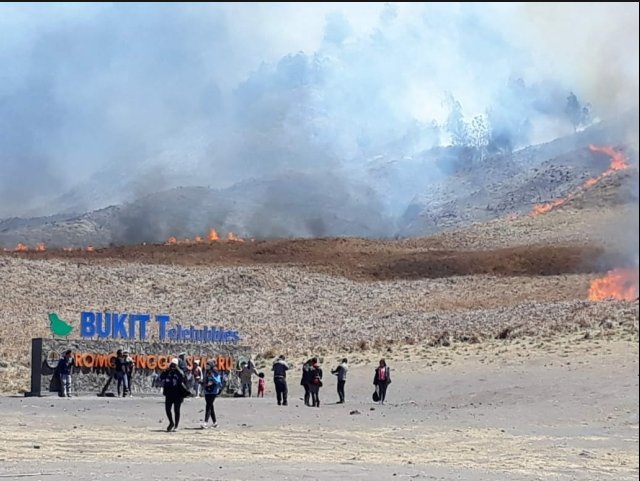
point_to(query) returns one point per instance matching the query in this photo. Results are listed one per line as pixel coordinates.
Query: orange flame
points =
(621, 284)
(41, 247)
(89, 249)
(618, 162)
(231, 237)
(21, 247)
(212, 237)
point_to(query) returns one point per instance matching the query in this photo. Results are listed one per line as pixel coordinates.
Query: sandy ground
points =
(564, 411)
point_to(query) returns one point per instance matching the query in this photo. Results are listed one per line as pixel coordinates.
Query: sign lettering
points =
(89, 360)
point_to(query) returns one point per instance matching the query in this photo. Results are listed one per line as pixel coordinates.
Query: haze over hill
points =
(106, 103)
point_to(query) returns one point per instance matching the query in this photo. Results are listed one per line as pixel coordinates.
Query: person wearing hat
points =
(280, 368)
(173, 389)
(212, 388)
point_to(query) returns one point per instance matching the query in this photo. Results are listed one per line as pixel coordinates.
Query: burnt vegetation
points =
(360, 259)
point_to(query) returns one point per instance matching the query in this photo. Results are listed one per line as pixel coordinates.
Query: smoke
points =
(101, 103)
(592, 46)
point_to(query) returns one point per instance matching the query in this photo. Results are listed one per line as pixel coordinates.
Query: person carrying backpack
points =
(174, 392)
(381, 380)
(315, 374)
(212, 387)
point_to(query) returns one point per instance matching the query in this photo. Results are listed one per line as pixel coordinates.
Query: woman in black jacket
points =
(382, 379)
(315, 382)
(174, 393)
(304, 382)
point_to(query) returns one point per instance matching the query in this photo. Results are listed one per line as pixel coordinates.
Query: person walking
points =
(212, 382)
(63, 372)
(173, 389)
(341, 373)
(315, 375)
(381, 380)
(304, 382)
(280, 368)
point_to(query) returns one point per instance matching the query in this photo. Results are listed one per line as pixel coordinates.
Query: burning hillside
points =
(618, 162)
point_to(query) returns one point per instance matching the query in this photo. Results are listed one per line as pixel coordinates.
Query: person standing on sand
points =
(341, 373)
(63, 372)
(212, 387)
(280, 368)
(247, 371)
(197, 377)
(129, 367)
(304, 382)
(121, 373)
(382, 379)
(173, 390)
(261, 384)
(315, 374)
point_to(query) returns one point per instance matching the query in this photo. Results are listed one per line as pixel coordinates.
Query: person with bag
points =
(212, 383)
(174, 392)
(315, 375)
(381, 381)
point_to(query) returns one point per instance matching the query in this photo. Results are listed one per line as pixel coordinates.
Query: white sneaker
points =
(205, 425)
(215, 425)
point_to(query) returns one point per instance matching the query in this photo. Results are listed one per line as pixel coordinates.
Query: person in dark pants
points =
(315, 374)
(382, 379)
(129, 368)
(212, 381)
(63, 371)
(173, 390)
(280, 368)
(341, 373)
(121, 373)
(304, 382)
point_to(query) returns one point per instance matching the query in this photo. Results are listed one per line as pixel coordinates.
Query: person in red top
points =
(382, 379)
(261, 384)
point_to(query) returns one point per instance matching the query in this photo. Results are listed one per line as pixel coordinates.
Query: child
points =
(261, 383)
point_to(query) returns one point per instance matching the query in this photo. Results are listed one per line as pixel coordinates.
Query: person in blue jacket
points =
(63, 371)
(212, 381)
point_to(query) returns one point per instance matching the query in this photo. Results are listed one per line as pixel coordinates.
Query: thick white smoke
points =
(154, 95)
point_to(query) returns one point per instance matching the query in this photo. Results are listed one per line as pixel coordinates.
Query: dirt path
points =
(557, 416)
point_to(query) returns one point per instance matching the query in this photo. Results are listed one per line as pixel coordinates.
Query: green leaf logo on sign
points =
(58, 326)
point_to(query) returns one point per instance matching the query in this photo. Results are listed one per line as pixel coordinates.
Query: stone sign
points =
(94, 362)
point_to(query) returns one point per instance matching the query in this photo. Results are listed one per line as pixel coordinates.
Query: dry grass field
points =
(504, 370)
